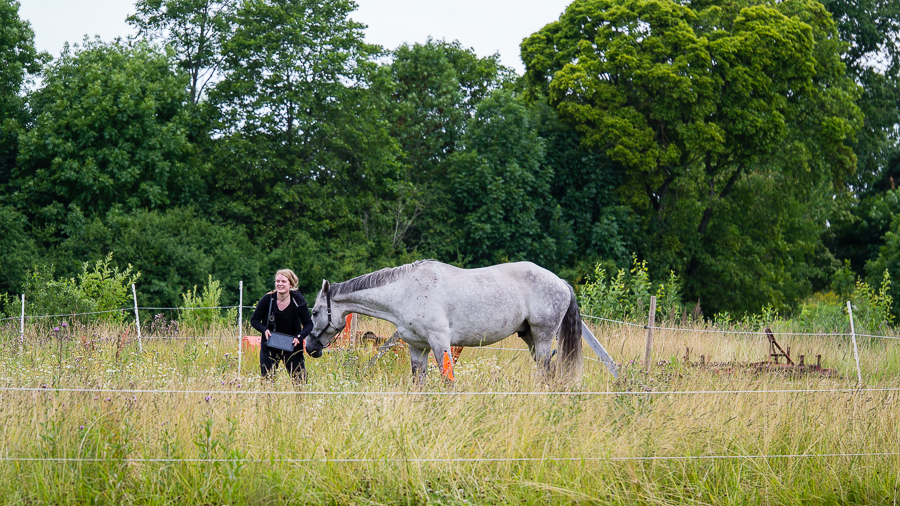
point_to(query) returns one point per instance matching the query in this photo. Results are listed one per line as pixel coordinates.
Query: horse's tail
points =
(570, 337)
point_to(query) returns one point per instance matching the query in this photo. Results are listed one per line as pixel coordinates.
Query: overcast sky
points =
(488, 26)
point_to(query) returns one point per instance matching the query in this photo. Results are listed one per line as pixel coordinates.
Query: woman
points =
(289, 315)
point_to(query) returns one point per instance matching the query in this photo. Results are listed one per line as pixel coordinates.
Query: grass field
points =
(499, 434)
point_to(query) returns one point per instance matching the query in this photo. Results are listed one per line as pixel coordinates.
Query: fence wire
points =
(583, 316)
(742, 332)
(427, 460)
(422, 393)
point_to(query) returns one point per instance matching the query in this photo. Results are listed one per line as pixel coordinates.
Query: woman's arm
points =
(260, 314)
(305, 319)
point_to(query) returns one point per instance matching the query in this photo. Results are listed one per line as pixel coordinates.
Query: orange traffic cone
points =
(447, 370)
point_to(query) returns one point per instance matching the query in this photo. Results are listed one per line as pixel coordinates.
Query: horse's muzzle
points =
(313, 351)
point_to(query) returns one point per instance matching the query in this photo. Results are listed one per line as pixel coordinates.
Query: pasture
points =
(88, 419)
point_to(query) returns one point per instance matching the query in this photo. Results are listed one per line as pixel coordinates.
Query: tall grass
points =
(384, 440)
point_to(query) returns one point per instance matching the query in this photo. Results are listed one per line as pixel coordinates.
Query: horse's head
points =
(327, 321)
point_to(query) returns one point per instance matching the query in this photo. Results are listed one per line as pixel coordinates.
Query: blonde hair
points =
(291, 277)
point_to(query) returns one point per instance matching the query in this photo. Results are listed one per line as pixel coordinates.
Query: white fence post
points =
(853, 337)
(651, 322)
(22, 322)
(240, 324)
(137, 318)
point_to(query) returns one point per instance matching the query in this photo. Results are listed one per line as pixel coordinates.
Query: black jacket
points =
(298, 308)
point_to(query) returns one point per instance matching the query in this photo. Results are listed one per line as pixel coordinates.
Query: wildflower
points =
(207, 398)
(55, 329)
(108, 399)
(64, 324)
(81, 427)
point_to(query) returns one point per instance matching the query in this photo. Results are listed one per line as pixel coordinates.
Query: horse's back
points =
(490, 303)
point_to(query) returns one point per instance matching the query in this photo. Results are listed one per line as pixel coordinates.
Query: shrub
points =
(101, 288)
(197, 308)
(107, 287)
(628, 294)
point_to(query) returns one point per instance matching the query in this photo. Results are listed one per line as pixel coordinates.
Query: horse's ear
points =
(326, 286)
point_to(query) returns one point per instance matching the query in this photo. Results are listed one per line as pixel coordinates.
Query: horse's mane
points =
(375, 279)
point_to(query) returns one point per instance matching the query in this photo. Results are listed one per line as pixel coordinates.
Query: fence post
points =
(137, 318)
(853, 337)
(652, 322)
(240, 323)
(22, 322)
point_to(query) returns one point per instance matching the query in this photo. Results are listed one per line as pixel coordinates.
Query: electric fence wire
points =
(608, 320)
(743, 332)
(28, 317)
(425, 460)
(422, 393)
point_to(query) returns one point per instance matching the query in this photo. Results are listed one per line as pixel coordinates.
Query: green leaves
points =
(691, 104)
(108, 128)
(193, 29)
(500, 185)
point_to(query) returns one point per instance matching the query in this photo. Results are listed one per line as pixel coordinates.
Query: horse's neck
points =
(375, 302)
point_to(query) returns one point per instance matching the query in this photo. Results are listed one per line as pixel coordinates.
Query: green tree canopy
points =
(17, 250)
(299, 139)
(194, 29)
(173, 250)
(429, 92)
(688, 102)
(19, 60)
(109, 129)
(500, 187)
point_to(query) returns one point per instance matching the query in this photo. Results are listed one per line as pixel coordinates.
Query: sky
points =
(487, 26)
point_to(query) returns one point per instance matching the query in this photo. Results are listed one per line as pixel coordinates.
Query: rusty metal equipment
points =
(772, 364)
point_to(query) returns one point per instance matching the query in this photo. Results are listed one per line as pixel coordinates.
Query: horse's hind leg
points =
(418, 359)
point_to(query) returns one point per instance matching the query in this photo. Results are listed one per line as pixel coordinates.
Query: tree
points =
(872, 28)
(863, 217)
(108, 130)
(692, 103)
(500, 188)
(20, 60)
(173, 250)
(430, 91)
(299, 133)
(194, 29)
(888, 258)
(17, 250)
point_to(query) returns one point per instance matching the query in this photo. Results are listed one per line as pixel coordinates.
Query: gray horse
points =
(435, 306)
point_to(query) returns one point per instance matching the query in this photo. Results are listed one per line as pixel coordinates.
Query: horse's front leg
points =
(443, 355)
(418, 358)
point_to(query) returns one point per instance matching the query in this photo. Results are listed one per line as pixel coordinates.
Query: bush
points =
(197, 310)
(101, 288)
(628, 294)
(827, 312)
(107, 287)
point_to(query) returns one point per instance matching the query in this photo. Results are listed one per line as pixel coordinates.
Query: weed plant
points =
(180, 423)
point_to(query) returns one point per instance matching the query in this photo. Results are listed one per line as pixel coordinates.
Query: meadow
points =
(88, 418)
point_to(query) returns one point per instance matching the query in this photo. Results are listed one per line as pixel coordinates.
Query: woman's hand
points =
(268, 334)
(297, 342)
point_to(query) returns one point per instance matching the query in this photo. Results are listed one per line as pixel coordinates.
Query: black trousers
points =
(293, 362)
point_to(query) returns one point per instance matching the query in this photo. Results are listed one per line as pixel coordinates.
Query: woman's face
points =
(282, 285)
